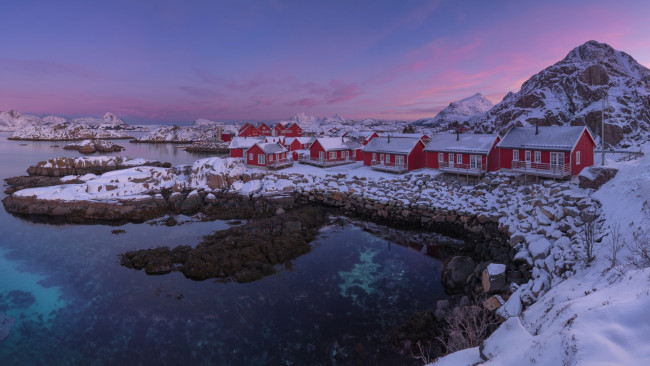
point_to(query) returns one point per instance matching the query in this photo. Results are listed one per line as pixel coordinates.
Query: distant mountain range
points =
(11, 121)
(458, 112)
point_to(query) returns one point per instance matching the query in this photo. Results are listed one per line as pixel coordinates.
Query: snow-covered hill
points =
(458, 112)
(202, 131)
(29, 127)
(65, 131)
(12, 120)
(336, 124)
(570, 93)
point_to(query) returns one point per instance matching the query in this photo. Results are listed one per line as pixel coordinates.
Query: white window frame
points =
(321, 155)
(515, 155)
(261, 159)
(271, 157)
(459, 159)
(332, 155)
(538, 156)
(374, 156)
(250, 156)
(441, 157)
(475, 161)
(527, 156)
(399, 160)
(451, 159)
(381, 158)
(577, 157)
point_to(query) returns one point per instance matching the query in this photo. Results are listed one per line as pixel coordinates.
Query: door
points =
(475, 162)
(381, 159)
(451, 160)
(527, 152)
(321, 155)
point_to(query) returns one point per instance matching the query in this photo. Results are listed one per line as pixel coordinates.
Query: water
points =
(75, 305)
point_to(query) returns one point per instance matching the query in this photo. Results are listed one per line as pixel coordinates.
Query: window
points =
(321, 155)
(381, 158)
(557, 160)
(577, 157)
(250, 156)
(538, 156)
(399, 160)
(459, 159)
(374, 156)
(515, 155)
(527, 154)
(261, 159)
(270, 157)
(332, 155)
(441, 157)
(475, 161)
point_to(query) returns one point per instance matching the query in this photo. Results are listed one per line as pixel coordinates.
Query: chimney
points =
(537, 128)
(388, 139)
(457, 135)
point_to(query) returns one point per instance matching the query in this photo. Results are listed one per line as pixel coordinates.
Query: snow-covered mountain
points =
(571, 91)
(12, 120)
(183, 134)
(337, 124)
(458, 112)
(64, 132)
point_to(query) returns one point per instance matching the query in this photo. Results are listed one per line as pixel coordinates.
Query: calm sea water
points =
(75, 305)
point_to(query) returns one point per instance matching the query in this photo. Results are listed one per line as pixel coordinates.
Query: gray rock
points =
(595, 176)
(457, 271)
(6, 323)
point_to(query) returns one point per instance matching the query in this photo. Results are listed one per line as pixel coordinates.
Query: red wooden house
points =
(330, 151)
(269, 155)
(264, 129)
(549, 151)
(278, 130)
(248, 130)
(394, 154)
(298, 145)
(239, 145)
(470, 154)
(363, 137)
(293, 130)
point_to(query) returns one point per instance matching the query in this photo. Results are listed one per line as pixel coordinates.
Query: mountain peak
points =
(459, 111)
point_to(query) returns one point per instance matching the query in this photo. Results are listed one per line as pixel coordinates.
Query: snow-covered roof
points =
(360, 134)
(548, 138)
(271, 147)
(392, 145)
(303, 140)
(338, 143)
(409, 135)
(244, 142)
(471, 143)
(273, 139)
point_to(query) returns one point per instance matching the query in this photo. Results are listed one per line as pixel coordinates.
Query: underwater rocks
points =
(6, 323)
(242, 254)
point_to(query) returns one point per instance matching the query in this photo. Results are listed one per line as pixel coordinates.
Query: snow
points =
(494, 269)
(393, 145)
(465, 142)
(549, 137)
(244, 142)
(338, 143)
(459, 111)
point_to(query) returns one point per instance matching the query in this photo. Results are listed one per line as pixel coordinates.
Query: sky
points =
(227, 60)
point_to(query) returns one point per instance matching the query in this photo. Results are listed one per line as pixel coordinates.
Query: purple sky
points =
(243, 60)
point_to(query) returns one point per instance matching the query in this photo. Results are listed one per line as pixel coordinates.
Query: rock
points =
(516, 239)
(494, 278)
(6, 323)
(594, 177)
(456, 272)
(594, 75)
(539, 248)
(492, 303)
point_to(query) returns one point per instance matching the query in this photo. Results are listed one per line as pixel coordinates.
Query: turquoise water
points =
(75, 305)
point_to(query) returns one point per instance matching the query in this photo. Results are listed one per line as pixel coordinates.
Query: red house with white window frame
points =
(549, 151)
(239, 145)
(264, 129)
(330, 151)
(469, 154)
(248, 130)
(269, 155)
(296, 144)
(293, 130)
(395, 154)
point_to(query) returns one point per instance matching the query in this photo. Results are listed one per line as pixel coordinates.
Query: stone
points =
(494, 278)
(539, 248)
(594, 177)
(492, 303)
(516, 239)
(456, 272)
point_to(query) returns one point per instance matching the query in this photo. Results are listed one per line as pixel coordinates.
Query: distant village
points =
(557, 152)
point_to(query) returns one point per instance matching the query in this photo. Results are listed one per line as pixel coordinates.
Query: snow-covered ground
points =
(596, 317)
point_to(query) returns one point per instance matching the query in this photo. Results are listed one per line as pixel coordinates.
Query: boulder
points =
(6, 323)
(456, 272)
(494, 278)
(492, 303)
(539, 248)
(595, 176)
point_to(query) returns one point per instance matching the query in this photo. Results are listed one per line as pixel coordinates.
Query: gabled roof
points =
(273, 139)
(303, 140)
(392, 145)
(338, 143)
(244, 142)
(548, 138)
(411, 135)
(271, 147)
(360, 134)
(467, 142)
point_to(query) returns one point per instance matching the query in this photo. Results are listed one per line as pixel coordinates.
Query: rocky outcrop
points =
(92, 146)
(595, 176)
(60, 167)
(241, 254)
(209, 147)
(65, 132)
(456, 272)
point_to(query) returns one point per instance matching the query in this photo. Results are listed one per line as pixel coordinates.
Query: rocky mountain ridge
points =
(458, 112)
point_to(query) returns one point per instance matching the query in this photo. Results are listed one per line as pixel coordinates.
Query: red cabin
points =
(363, 137)
(330, 151)
(299, 145)
(394, 154)
(264, 129)
(549, 151)
(248, 130)
(270, 155)
(293, 130)
(239, 145)
(278, 130)
(470, 154)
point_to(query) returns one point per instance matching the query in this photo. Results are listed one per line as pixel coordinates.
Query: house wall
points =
(255, 150)
(293, 131)
(236, 153)
(314, 150)
(250, 131)
(586, 147)
(264, 129)
(416, 158)
(493, 162)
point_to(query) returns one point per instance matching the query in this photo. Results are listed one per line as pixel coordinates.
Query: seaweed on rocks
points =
(242, 254)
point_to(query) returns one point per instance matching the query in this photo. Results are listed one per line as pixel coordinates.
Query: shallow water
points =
(75, 304)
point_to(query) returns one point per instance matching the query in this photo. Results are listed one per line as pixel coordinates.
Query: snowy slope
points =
(459, 111)
(12, 120)
(599, 316)
(336, 125)
(571, 91)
